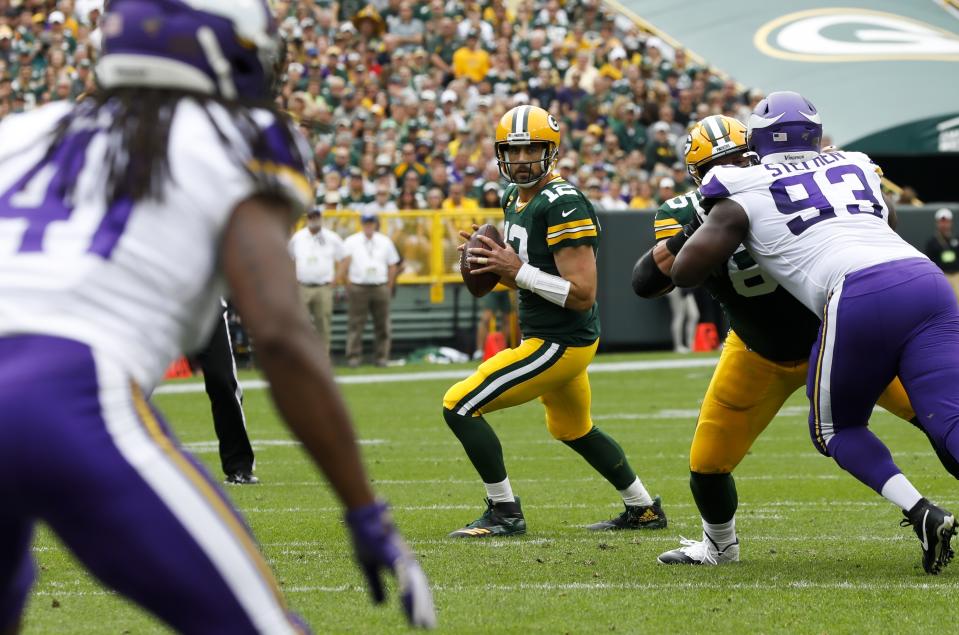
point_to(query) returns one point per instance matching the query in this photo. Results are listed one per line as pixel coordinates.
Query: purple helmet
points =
(225, 48)
(784, 127)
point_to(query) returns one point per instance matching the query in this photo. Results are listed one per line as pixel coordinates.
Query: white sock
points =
(636, 495)
(500, 492)
(901, 492)
(723, 534)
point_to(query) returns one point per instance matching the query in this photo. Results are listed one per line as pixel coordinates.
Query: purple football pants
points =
(895, 318)
(81, 450)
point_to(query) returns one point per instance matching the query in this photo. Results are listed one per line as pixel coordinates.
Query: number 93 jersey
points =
(137, 281)
(812, 222)
(558, 216)
(762, 313)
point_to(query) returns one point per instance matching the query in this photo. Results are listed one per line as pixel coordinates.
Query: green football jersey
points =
(558, 216)
(767, 317)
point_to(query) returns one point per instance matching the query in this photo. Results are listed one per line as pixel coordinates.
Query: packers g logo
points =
(854, 35)
(552, 123)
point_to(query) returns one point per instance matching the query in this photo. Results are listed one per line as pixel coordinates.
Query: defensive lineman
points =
(551, 233)
(120, 220)
(819, 225)
(764, 360)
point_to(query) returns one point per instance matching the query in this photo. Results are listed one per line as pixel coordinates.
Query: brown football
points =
(482, 283)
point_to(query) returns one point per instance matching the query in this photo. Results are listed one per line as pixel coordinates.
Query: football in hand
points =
(481, 283)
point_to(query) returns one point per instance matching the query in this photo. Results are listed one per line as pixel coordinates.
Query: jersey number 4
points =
(38, 199)
(811, 196)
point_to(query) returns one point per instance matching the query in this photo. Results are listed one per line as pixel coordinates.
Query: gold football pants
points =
(745, 393)
(536, 368)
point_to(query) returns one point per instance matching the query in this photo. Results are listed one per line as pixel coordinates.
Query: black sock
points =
(606, 456)
(715, 496)
(481, 445)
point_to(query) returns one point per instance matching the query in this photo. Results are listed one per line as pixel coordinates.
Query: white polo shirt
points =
(316, 255)
(370, 258)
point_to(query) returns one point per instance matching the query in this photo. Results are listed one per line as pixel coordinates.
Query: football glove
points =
(379, 546)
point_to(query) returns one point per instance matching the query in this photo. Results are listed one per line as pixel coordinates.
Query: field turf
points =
(820, 552)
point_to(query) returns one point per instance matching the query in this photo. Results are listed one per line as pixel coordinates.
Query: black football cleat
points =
(635, 517)
(499, 519)
(241, 477)
(935, 528)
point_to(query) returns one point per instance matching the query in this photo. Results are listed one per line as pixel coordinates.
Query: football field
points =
(820, 552)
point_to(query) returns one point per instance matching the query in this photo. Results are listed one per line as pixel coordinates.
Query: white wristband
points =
(545, 285)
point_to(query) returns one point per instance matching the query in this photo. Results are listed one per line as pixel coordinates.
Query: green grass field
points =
(820, 552)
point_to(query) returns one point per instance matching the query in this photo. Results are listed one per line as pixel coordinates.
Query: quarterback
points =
(123, 219)
(819, 225)
(763, 362)
(551, 234)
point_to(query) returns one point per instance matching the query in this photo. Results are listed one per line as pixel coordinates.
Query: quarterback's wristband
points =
(545, 285)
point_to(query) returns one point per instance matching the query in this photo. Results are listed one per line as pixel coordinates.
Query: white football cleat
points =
(704, 551)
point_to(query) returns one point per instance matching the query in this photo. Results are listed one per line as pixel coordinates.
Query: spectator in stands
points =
(492, 196)
(642, 196)
(613, 198)
(661, 148)
(441, 45)
(354, 195)
(316, 251)
(457, 200)
(594, 191)
(567, 168)
(410, 162)
(470, 60)
(406, 32)
(369, 269)
(666, 190)
(943, 247)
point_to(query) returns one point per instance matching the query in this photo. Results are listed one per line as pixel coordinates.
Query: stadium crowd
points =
(399, 99)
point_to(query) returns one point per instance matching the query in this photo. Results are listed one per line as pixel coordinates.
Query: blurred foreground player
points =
(120, 220)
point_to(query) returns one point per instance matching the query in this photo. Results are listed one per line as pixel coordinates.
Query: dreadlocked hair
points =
(138, 122)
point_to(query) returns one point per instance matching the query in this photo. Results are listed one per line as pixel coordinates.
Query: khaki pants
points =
(318, 301)
(363, 300)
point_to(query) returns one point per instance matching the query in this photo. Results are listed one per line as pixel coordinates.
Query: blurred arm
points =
(261, 276)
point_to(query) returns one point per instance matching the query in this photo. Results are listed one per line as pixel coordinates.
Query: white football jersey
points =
(812, 222)
(138, 282)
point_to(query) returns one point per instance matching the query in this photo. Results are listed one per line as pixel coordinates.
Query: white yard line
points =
(548, 587)
(433, 375)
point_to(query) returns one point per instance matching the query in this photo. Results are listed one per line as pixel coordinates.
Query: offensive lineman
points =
(764, 360)
(121, 218)
(820, 226)
(551, 233)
